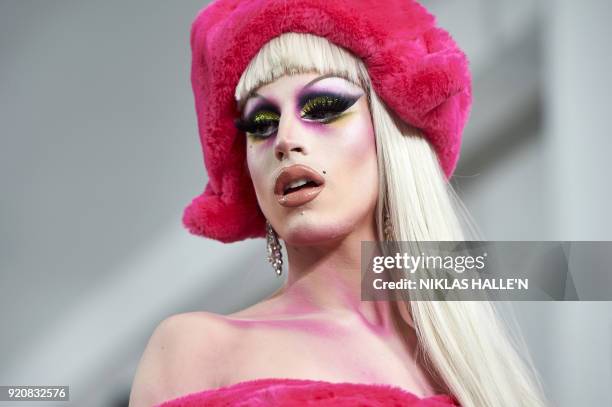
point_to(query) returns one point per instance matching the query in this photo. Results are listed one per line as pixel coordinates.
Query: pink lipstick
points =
(297, 185)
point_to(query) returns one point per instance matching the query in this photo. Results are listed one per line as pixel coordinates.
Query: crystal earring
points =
(275, 256)
(388, 229)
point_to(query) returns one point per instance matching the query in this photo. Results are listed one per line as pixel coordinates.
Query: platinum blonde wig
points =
(468, 344)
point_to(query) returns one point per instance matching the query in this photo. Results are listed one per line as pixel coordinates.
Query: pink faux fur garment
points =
(416, 68)
(299, 392)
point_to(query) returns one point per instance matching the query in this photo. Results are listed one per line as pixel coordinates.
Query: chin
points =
(305, 230)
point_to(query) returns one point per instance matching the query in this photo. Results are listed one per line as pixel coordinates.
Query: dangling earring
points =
(275, 256)
(388, 229)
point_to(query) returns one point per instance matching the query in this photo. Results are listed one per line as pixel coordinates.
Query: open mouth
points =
(297, 185)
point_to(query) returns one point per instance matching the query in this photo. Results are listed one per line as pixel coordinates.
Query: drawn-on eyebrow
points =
(253, 93)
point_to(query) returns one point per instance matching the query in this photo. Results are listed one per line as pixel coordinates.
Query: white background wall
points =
(99, 155)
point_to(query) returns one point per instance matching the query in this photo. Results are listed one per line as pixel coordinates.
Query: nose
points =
(289, 138)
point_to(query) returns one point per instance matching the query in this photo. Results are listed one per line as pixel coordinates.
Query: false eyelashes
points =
(322, 107)
(261, 124)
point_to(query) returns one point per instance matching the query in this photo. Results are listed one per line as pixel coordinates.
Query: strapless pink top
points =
(303, 392)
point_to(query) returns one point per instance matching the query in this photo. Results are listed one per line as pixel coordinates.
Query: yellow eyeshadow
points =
(339, 120)
(265, 116)
(324, 101)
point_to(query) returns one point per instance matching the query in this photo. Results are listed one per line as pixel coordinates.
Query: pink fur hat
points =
(416, 68)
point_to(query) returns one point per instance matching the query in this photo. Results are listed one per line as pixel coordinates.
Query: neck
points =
(327, 278)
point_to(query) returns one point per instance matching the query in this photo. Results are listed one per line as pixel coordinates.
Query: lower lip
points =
(299, 197)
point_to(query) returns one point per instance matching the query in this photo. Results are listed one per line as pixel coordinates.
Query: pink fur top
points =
(301, 392)
(416, 68)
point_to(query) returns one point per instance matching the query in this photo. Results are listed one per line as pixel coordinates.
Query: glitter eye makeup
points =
(324, 106)
(261, 123)
(320, 106)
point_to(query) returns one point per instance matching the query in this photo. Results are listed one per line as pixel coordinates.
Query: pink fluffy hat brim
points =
(415, 67)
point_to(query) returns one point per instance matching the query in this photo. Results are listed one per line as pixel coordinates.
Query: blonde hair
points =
(465, 343)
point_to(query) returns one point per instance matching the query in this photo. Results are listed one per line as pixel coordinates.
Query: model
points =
(324, 124)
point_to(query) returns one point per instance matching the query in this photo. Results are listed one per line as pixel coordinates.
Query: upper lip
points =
(294, 173)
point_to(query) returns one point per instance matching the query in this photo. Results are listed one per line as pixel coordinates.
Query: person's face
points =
(325, 125)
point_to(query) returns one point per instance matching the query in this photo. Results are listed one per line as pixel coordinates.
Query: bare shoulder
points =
(184, 354)
(268, 308)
